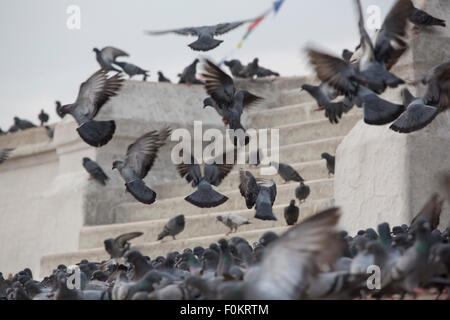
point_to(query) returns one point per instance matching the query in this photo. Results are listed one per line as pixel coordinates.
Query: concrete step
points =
(294, 96)
(204, 224)
(166, 208)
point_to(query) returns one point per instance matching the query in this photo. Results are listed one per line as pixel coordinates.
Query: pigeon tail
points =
(208, 198)
(264, 212)
(97, 133)
(379, 112)
(205, 44)
(416, 117)
(141, 192)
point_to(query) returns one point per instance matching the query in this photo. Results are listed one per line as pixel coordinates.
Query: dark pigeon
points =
(330, 162)
(235, 67)
(422, 19)
(173, 227)
(2, 132)
(5, 154)
(264, 72)
(162, 78)
(267, 238)
(287, 172)
(188, 75)
(107, 56)
(431, 212)
(58, 109)
(138, 162)
(95, 171)
(92, 95)
(50, 131)
(43, 117)
(302, 192)
(250, 70)
(291, 213)
(132, 70)
(117, 247)
(23, 124)
(13, 129)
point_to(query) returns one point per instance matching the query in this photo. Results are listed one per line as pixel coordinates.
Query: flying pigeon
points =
(205, 34)
(302, 192)
(117, 247)
(235, 67)
(330, 162)
(43, 117)
(4, 154)
(422, 19)
(173, 227)
(107, 56)
(162, 78)
(188, 75)
(92, 95)
(23, 124)
(232, 221)
(205, 196)
(131, 70)
(291, 213)
(287, 172)
(95, 171)
(138, 162)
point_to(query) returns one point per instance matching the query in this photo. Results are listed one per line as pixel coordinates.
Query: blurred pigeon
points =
(58, 109)
(92, 95)
(50, 131)
(140, 264)
(226, 260)
(131, 70)
(162, 78)
(173, 227)
(4, 154)
(95, 171)
(2, 132)
(347, 55)
(13, 129)
(291, 213)
(107, 56)
(205, 34)
(124, 290)
(23, 124)
(235, 67)
(330, 162)
(138, 162)
(43, 117)
(188, 75)
(431, 212)
(250, 70)
(205, 196)
(287, 172)
(267, 238)
(302, 192)
(232, 221)
(264, 72)
(118, 246)
(422, 19)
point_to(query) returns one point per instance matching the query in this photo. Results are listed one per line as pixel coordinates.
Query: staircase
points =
(304, 135)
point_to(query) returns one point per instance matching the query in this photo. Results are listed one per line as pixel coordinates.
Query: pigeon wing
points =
(111, 53)
(189, 31)
(190, 171)
(4, 154)
(218, 84)
(124, 238)
(225, 27)
(248, 187)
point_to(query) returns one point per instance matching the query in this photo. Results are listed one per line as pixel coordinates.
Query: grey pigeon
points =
(107, 56)
(205, 34)
(58, 109)
(173, 227)
(141, 265)
(264, 72)
(287, 172)
(43, 117)
(330, 162)
(302, 192)
(250, 70)
(124, 290)
(431, 212)
(138, 162)
(267, 238)
(214, 173)
(291, 213)
(95, 171)
(188, 75)
(13, 129)
(226, 260)
(235, 67)
(162, 78)
(23, 124)
(92, 95)
(347, 55)
(117, 247)
(132, 70)
(4, 154)
(232, 221)
(422, 19)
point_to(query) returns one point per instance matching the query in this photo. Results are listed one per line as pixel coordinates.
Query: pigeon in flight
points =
(205, 34)
(23, 124)
(43, 117)
(235, 67)
(291, 213)
(422, 19)
(95, 171)
(173, 227)
(4, 154)
(287, 172)
(107, 56)
(162, 78)
(302, 192)
(260, 193)
(132, 70)
(330, 162)
(232, 221)
(138, 161)
(118, 246)
(205, 196)
(92, 95)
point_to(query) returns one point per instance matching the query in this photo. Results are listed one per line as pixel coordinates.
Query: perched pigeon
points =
(4, 154)
(287, 172)
(302, 192)
(205, 34)
(58, 109)
(23, 124)
(232, 221)
(13, 129)
(431, 212)
(95, 171)
(107, 56)
(131, 70)
(264, 72)
(330, 162)
(188, 75)
(250, 70)
(422, 19)
(118, 246)
(291, 213)
(92, 95)
(162, 78)
(205, 196)
(138, 162)
(43, 117)
(235, 67)
(173, 227)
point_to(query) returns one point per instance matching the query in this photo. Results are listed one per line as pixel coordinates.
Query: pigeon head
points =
(207, 102)
(196, 61)
(223, 244)
(292, 203)
(219, 218)
(325, 155)
(133, 256)
(159, 73)
(215, 247)
(267, 238)
(16, 120)
(96, 50)
(117, 164)
(255, 61)
(198, 251)
(63, 110)
(86, 159)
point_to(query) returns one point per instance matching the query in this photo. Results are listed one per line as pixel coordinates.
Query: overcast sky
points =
(42, 60)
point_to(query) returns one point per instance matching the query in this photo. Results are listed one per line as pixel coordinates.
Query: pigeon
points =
(43, 117)
(235, 67)
(5, 154)
(131, 70)
(422, 19)
(302, 192)
(13, 129)
(92, 95)
(162, 78)
(58, 109)
(2, 132)
(23, 124)
(347, 55)
(50, 131)
(421, 111)
(267, 238)
(138, 161)
(330, 162)
(232, 221)
(250, 70)
(431, 212)
(263, 72)
(226, 260)
(205, 34)
(260, 193)
(205, 196)
(173, 227)
(107, 56)
(140, 264)
(188, 74)
(95, 171)
(117, 247)
(291, 213)
(287, 172)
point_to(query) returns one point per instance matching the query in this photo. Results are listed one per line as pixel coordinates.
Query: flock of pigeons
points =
(312, 260)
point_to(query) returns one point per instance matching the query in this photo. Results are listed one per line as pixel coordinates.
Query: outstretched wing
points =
(225, 27)
(188, 31)
(111, 53)
(124, 238)
(250, 99)
(218, 170)
(218, 84)
(4, 154)
(190, 171)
